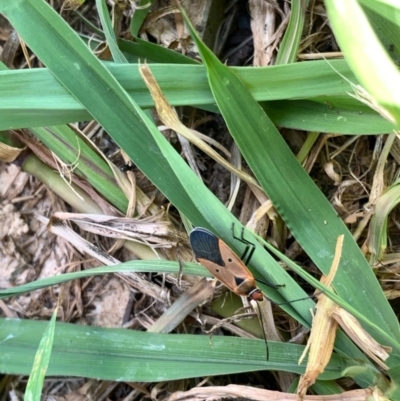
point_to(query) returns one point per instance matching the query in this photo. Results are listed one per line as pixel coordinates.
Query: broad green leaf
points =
(31, 98)
(387, 31)
(389, 9)
(322, 115)
(327, 387)
(128, 355)
(142, 50)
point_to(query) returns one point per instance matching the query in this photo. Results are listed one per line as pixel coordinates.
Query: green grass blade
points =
(387, 31)
(388, 9)
(377, 240)
(138, 266)
(31, 98)
(290, 43)
(41, 361)
(75, 196)
(88, 164)
(139, 15)
(92, 84)
(150, 52)
(128, 355)
(117, 55)
(326, 116)
(361, 317)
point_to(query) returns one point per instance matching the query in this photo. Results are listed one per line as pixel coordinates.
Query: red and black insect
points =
(224, 264)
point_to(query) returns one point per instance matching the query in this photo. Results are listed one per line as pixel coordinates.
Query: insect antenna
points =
(299, 299)
(276, 286)
(263, 310)
(264, 335)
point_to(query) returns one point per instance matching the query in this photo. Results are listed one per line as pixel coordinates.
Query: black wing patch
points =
(238, 280)
(205, 245)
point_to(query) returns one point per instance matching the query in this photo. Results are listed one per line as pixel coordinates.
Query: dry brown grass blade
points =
(170, 118)
(229, 323)
(151, 231)
(264, 311)
(266, 208)
(233, 391)
(263, 26)
(9, 153)
(323, 331)
(354, 330)
(60, 228)
(266, 34)
(183, 306)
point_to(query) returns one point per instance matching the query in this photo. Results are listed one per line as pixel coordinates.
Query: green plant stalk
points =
(71, 193)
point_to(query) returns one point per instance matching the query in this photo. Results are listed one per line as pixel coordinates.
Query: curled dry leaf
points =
(329, 168)
(355, 331)
(323, 332)
(320, 344)
(9, 153)
(265, 208)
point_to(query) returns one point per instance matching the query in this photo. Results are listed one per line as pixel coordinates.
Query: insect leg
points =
(248, 253)
(250, 247)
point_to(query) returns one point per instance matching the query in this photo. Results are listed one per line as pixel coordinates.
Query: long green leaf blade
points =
(128, 355)
(35, 98)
